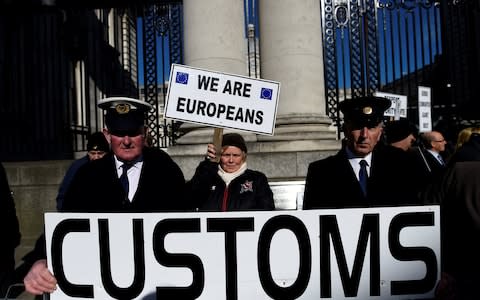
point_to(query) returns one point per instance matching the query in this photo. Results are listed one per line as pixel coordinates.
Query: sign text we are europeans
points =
(222, 100)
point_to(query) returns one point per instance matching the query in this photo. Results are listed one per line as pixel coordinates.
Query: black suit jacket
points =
(433, 163)
(96, 186)
(331, 182)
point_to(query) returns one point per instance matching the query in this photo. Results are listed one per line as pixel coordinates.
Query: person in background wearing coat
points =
(364, 173)
(458, 193)
(229, 185)
(10, 234)
(401, 134)
(97, 147)
(132, 178)
(434, 144)
(469, 150)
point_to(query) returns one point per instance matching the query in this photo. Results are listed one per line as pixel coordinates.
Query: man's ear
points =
(380, 135)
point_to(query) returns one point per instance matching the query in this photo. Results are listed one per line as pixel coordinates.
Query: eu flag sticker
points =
(181, 78)
(266, 94)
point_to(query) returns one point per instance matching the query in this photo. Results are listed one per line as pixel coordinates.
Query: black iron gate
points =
(57, 59)
(379, 45)
(162, 31)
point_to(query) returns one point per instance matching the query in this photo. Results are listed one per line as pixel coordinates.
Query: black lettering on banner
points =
(249, 116)
(205, 83)
(263, 257)
(246, 89)
(201, 108)
(191, 105)
(230, 226)
(221, 110)
(401, 253)
(239, 115)
(60, 232)
(369, 228)
(138, 246)
(181, 104)
(190, 261)
(237, 88)
(227, 89)
(230, 112)
(259, 119)
(211, 108)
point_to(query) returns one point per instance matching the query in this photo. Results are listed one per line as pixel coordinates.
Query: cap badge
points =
(122, 108)
(367, 110)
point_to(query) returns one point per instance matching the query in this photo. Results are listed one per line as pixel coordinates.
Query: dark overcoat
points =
(331, 182)
(10, 232)
(97, 188)
(249, 191)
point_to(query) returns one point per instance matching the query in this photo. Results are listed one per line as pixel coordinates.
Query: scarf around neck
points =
(228, 177)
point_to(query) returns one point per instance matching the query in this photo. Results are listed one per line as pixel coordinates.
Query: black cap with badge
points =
(124, 116)
(364, 111)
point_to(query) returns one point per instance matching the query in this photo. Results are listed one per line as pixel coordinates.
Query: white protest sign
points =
(222, 100)
(424, 109)
(374, 253)
(398, 108)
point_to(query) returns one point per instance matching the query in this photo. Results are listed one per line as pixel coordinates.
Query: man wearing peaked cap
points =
(131, 178)
(365, 111)
(124, 116)
(364, 172)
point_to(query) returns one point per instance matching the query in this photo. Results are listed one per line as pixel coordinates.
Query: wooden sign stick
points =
(217, 141)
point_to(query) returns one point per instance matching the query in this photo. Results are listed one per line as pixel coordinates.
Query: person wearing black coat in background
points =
(229, 185)
(469, 151)
(364, 173)
(132, 178)
(10, 233)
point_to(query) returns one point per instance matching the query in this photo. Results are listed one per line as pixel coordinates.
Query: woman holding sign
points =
(229, 185)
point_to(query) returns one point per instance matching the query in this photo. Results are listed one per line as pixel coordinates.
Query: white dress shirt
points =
(355, 162)
(133, 174)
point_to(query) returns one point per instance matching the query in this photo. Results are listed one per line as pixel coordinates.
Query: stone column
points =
(291, 53)
(214, 37)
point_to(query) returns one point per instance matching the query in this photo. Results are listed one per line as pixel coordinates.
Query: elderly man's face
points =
(128, 146)
(362, 140)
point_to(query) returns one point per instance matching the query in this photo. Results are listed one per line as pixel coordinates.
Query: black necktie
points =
(440, 159)
(124, 177)
(363, 176)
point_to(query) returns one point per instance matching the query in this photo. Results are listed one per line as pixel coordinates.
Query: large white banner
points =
(222, 100)
(375, 253)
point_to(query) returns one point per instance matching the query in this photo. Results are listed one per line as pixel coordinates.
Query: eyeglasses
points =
(439, 141)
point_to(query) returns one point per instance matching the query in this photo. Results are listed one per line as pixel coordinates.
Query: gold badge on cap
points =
(122, 108)
(367, 110)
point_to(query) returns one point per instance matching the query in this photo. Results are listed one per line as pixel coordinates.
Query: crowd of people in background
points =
(120, 173)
